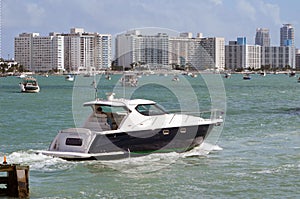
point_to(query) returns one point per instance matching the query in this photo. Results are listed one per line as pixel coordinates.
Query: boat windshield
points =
(150, 109)
(30, 81)
(114, 109)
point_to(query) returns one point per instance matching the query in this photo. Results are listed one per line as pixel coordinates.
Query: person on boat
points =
(99, 113)
(102, 116)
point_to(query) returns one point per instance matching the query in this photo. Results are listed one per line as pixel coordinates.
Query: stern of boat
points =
(72, 140)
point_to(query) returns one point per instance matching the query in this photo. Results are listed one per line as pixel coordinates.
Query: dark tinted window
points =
(74, 141)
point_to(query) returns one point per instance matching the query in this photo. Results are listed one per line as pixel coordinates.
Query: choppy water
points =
(257, 154)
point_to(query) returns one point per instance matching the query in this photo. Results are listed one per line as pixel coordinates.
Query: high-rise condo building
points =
(239, 54)
(87, 51)
(278, 57)
(262, 37)
(39, 53)
(298, 59)
(73, 51)
(287, 35)
(242, 55)
(161, 51)
(151, 50)
(200, 52)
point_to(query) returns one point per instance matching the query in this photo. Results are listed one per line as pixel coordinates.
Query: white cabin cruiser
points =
(120, 128)
(29, 85)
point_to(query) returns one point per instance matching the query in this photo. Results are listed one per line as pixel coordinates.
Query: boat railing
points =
(212, 114)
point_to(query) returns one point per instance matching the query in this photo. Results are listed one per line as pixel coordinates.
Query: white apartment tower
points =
(298, 59)
(241, 55)
(278, 57)
(73, 51)
(200, 52)
(39, 53)
(87, 51)
(151, 50)
(22, 46)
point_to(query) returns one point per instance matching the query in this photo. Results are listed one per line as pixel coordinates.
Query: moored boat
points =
(121, 128)
(227, 75)
(29, 85)
(69, 78)
(246, 77)
(292, 74)
(263, 73)
(22, 76)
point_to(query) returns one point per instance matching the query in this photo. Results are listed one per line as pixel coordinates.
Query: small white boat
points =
(69, 78)
(292, 74)
(29, 85)
(227, 75)
(22, 76)
(263, 73)
(122, 128)
(176, 78)
(192, 74)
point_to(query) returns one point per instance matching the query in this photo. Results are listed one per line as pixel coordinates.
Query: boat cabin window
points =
(113, 109)
(115, 114)
(150, 109)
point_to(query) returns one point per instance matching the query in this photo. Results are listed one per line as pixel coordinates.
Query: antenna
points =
(95, 87)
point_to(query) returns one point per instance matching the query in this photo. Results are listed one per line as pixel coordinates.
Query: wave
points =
(38, 161)
(144, 164)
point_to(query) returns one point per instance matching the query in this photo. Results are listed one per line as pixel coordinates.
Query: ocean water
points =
(255, 154)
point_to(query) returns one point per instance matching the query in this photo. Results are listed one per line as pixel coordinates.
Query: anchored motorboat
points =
(120, 128)
(247, 76)
(69, 78)
(29, 85)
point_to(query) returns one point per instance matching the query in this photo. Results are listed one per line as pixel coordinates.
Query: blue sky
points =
(213, 18)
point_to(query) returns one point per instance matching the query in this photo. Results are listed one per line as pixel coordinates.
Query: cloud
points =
(272, 11)
(246, 9)
(217, 2)
(36, 14)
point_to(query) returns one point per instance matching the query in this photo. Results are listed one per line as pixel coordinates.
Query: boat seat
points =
(97, 123)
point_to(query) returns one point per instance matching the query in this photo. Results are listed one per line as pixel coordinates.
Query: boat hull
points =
(130, 144)
(31, 90)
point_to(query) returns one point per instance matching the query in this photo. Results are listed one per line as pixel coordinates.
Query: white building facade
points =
(202, 53)
(73, 51)
(87, 51)
(22, 46)
(39, 53)
(278, 57)
(241, 55)
(151, 50)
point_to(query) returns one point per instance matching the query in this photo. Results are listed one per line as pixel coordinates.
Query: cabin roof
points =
(119, 102)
